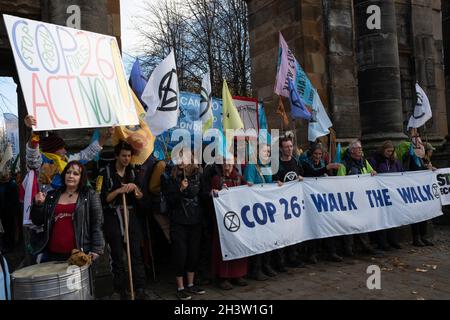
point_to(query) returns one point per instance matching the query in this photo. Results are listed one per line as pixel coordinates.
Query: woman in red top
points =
(229, 272)
(72, 217)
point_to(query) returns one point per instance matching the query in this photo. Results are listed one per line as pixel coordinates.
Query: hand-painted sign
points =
(70, 78)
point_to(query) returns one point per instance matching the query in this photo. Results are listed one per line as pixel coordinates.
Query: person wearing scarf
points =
(384, 161)
(415, 160)
(49, 156)
(354, 163)
(230, 272)
(315, 166)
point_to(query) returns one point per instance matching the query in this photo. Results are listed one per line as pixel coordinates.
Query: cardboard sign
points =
(70, 78)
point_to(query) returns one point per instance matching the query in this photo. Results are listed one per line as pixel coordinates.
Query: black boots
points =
(419, 234)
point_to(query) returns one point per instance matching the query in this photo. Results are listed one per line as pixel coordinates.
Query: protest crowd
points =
(178, 198)
(77, 208)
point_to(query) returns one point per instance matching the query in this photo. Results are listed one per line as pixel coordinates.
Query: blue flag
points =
(96, 137)
(262, 116)
(137, 81)
(298, 108)
(337, 157)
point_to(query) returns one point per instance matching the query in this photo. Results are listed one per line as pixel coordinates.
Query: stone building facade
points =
(364, 77)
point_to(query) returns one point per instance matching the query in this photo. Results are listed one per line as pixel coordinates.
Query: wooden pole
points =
(127, 240)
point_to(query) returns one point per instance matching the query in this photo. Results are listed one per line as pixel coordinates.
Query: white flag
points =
(320, 122)
(206, 113)
(422, 110)
(162, 96)
(27, 185)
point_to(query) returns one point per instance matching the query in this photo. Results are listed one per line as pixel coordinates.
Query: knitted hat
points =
(52, 143)
(429, 146)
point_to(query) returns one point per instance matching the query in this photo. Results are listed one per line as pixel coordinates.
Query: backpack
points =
(142, 180)
(165, 181)
(5, 285)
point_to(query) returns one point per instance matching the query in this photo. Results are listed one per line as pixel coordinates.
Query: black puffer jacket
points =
(87, 220)
(184, 206)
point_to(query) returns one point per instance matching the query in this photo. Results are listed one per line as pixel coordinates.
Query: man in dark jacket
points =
(290, 170)
(9, 210)
(354, 163)
(120, 179)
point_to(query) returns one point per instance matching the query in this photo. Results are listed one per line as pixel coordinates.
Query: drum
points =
(52, 281)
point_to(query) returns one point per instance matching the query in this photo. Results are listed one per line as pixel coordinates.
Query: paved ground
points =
(410, 273)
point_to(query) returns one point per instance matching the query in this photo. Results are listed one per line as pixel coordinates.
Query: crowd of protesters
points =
(179, 197)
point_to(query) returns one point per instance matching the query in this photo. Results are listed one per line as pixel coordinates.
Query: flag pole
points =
(127, 239)
(150, 249)
(295, 136)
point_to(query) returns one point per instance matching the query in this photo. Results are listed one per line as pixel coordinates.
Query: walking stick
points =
(127, 239)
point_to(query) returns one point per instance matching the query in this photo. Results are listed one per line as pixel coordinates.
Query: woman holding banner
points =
(228, 272)
(355, 163)
(314, 166)
(414, 160)
(260, 264)
(384, 162)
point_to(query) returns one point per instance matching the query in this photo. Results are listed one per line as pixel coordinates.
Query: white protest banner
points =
(70, 78)
(257, 219)
(443, 181)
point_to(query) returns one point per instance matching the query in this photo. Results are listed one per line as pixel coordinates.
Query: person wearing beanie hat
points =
(53, 144)
(48, 155)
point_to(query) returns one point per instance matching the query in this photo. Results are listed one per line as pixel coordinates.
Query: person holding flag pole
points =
(413, 159)
(120, 194)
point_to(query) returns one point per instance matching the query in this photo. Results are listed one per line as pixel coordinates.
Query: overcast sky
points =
(129, 10)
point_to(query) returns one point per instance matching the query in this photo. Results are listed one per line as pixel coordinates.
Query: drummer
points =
(72, 217)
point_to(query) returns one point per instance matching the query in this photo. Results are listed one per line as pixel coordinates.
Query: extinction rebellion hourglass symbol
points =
(231, 221)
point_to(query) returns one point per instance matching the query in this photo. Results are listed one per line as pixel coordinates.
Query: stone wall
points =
(322, 36)
(30, 9)
(429, 64)
(324, 48)
(266, 19)
(341, 61)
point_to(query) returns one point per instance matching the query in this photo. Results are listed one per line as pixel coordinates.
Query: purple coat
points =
(384, 165)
